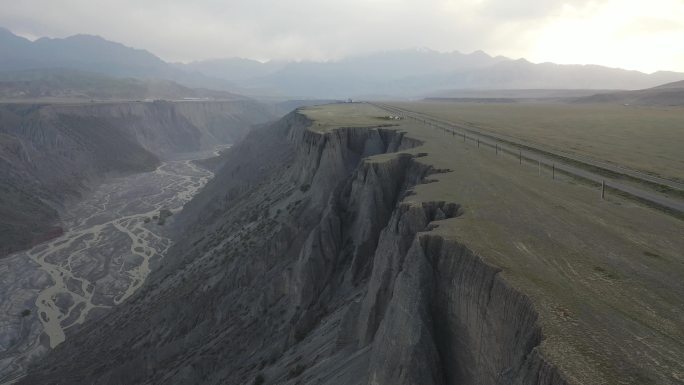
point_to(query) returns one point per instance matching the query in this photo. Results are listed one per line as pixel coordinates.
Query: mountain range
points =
(93, 54)
(406, 73)
(419, 72)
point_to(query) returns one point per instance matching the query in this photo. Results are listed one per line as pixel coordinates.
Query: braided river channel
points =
(110, 238)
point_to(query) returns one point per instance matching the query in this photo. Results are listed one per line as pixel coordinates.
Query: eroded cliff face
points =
(305, 260)
(50, 153)
(163, 127)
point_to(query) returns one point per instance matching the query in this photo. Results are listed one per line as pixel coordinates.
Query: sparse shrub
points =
(25, 312)
(259, 379)
(305, 187)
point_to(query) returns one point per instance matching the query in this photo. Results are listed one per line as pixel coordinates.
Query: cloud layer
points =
(624, 33)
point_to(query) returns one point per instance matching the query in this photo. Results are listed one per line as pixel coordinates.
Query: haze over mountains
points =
(404, 73)
(420, 72)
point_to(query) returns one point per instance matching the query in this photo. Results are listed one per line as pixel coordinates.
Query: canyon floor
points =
(111, 238)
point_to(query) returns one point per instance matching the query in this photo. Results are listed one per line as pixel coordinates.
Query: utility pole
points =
(603, 189)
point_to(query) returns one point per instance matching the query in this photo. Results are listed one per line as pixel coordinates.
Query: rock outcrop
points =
(50, 153)
(304, 261)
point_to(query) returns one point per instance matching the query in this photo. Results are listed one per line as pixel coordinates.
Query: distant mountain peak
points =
(7, 35)
(87, 37)
(480, 52)
(99, 41)
(94, 53)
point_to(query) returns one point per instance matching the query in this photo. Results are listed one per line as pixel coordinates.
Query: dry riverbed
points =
(104, 256)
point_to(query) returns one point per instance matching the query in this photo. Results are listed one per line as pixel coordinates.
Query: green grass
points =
(332, 116)
(647, 139)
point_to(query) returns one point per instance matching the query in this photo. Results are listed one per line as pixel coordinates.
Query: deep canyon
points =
(335, 247)
(112, 176)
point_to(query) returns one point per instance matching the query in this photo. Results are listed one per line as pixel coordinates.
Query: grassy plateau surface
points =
(647, 139)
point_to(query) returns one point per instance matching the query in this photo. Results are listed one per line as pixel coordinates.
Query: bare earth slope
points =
(334, 249)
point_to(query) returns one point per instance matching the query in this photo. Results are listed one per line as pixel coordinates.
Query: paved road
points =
(559, 161)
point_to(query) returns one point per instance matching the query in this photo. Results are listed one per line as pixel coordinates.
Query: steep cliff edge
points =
(335, 248)
(50, 153)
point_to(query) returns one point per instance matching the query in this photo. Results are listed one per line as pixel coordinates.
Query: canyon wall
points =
(50, 153)
(305, 261)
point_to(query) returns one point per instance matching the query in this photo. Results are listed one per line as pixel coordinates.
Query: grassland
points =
(327, 117)
(647, 139)
(604, 275)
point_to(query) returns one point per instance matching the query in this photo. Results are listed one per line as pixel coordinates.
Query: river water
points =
(111, 236)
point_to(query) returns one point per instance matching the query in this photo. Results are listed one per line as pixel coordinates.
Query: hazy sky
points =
(646, 35)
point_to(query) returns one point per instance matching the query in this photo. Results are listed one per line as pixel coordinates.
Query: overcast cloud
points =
(634, 34)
